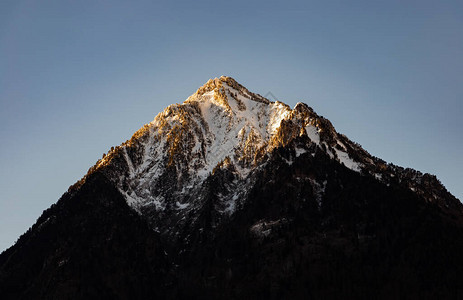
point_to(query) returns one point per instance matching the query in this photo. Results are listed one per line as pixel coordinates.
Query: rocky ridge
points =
(163, 168)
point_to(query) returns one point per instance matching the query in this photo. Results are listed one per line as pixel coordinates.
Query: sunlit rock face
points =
(229, 195)
(163, 170)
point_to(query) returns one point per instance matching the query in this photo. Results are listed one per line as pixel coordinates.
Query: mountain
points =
(230, 195)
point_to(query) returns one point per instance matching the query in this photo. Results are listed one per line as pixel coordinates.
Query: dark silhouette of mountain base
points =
(366, 241)
(89, 245)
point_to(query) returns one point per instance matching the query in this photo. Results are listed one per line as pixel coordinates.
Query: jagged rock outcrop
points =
(162, 170)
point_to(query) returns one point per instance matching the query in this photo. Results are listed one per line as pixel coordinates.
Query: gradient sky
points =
(77, 77)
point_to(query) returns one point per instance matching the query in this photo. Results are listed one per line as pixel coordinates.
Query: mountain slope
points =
(162, 170)
(231, 195)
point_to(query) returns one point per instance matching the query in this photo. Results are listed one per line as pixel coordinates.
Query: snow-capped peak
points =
(221, 122)
(212, 146)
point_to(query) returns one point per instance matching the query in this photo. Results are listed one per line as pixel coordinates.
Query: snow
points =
(131, 201)
(330, 154)
(225, 129)
(231, 205)
(156, 201)
(229, 131)
(289, 162)
(278, 112)
(319, 190)
(341, 144)
(182, 205)
(129, 163)
(347, 161)
(312, 133)
(300, 151)
(218, 130)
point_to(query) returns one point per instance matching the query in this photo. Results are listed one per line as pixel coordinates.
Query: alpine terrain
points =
(229, 195)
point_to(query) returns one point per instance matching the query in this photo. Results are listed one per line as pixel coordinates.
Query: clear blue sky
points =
(77, 77)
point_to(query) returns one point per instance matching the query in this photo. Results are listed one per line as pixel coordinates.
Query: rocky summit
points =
(229, 195)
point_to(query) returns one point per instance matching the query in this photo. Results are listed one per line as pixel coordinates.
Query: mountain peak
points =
(224, 124)
(224, 87)
(228, 191)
